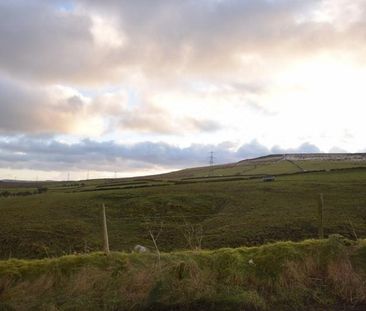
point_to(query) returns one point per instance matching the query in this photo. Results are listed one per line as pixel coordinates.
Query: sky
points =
(121, 88)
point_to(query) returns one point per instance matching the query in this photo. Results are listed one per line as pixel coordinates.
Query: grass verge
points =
(317, 274)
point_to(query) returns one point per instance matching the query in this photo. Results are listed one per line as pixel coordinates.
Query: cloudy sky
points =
(146, 86)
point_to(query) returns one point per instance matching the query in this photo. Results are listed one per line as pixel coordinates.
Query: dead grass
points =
(190, 282)
(346, 282)
(5, 284)
(300, 274)
(135, 287)
(36, 287)
(85, 280)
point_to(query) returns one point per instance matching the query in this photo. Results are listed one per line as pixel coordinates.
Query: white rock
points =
(140, 249)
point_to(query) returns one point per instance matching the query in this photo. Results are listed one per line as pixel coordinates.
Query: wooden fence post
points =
(105, 231)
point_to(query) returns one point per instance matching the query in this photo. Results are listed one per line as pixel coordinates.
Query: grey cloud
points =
(41, 42)
(304, 148)
(255, 149)
(88, 154)
(146, 118)
(25, 108)
(49, 154)
(202, 125)
(164, 37)
(149, 118)
(252, 150)
(204, 36)
(162, 123)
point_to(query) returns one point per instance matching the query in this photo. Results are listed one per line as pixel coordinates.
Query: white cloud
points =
(186, 72)
(106, 34)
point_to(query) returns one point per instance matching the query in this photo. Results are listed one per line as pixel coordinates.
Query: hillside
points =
(232, 207)
(311, 275)
(276, 164)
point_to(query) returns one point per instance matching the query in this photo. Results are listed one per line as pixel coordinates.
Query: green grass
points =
(311, 275)
(231, 213)
(328, 165)
(267, 166)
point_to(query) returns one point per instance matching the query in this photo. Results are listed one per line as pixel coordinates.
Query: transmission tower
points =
(212, 160)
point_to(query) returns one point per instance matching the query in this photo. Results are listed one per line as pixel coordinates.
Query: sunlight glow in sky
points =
(141, 87)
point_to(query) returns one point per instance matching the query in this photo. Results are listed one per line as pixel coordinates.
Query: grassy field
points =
(311, 275)
(231, 210)
(276, 164)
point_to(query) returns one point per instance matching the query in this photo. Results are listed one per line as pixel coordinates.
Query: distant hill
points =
(275, 164)
(272, 164)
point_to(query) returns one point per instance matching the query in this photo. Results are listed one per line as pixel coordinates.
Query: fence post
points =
(320, 212)
(105, 231)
